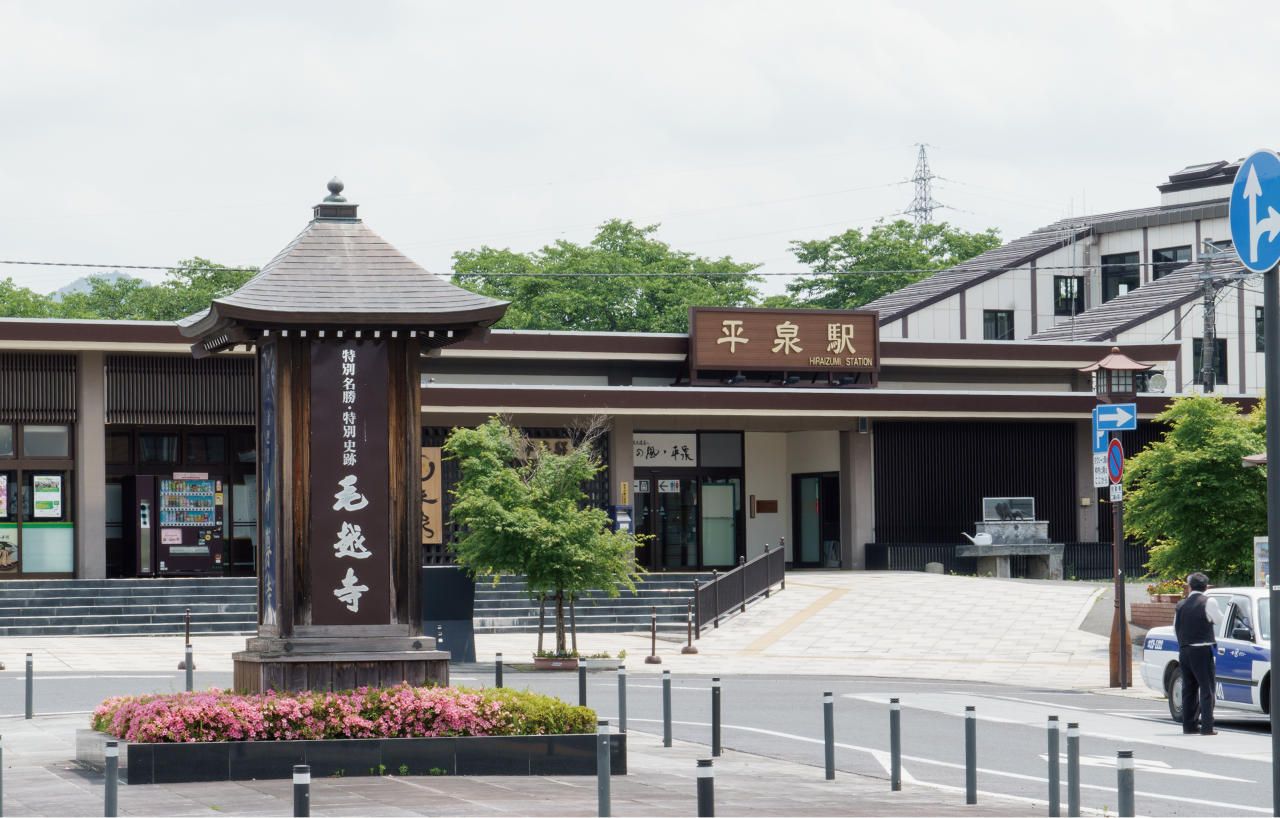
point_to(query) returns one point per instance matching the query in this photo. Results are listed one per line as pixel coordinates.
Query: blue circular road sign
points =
(1255, 211)
(1115, 461)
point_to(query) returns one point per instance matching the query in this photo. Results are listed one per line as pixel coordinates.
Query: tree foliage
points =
(186, 291)
(565, 299)
(898, 245)
(524, 512)
(1190, 499)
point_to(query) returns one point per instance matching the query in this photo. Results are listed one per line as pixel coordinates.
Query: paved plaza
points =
(39, 779)
(899, 624)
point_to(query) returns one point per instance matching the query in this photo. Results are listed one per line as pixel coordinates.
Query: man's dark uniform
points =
(1195, 654)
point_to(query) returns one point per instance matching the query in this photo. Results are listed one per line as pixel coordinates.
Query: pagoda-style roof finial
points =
(335, 191)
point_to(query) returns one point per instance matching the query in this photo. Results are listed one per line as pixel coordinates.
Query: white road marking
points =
(1147, 765)
(935, 762)
(47, 678)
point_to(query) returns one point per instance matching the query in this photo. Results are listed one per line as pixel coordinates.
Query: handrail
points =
(738, 586)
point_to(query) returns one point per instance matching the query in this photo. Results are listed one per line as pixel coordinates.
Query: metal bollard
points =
(895, 746)
(622, 698)
(1124, 783)
(602, 767)
(582, 684)
(111, 793)
(301, 790)
(666, 708)
(653, 658)
(191, 667)
(706, 788)
(1055, 784)
(715, 716)
(689, 648)
(1073, 770)
(1, 779)
(829, 733)
(497, 670)
(30, 689)
(970, 754)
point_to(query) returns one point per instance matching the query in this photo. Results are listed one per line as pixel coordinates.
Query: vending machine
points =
(174, 524)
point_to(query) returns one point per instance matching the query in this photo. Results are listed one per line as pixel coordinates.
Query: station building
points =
(829, 430)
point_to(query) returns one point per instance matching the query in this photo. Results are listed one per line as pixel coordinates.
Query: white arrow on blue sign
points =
(1255, 197)
(1112, 417)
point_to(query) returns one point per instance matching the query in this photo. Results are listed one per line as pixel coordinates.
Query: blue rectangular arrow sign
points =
(1114, 417)
(1100, 436)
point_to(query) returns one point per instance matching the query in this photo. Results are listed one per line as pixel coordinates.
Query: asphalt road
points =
(781, 717)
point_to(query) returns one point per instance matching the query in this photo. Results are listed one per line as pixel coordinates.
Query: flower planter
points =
(543, 663)
(1152, 614)
(170, 763)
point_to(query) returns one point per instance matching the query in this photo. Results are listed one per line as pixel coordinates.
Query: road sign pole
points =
(1271, 329)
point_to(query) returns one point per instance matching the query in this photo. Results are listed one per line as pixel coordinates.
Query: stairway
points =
(506, 608)
(127, 607)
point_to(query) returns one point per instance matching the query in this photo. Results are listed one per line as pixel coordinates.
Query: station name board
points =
(784, 340)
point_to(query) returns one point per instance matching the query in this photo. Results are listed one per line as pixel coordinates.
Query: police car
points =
(1243, 669)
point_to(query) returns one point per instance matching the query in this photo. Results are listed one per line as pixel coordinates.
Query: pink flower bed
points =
(396, 712)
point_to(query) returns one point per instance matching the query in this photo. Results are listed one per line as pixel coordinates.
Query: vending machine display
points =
(177, 524)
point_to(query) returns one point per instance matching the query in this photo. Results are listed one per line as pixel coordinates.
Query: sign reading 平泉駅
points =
(790, 340)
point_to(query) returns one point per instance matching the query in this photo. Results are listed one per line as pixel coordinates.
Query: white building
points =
(1128, 277)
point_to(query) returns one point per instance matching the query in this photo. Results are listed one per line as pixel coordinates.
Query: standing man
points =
(1195, 621)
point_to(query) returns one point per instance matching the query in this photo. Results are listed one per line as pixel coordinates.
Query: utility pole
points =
(1209, 345)
(922, 206)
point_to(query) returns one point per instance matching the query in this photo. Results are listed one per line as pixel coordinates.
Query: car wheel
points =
(1174, 692)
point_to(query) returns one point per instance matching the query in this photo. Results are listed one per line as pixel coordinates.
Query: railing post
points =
(1055, 785)
(301, 790)
(742, 569)
(782, 546)
(653, 658)
(768, 572)
(697, 609)
(602, 768)
(715, 592)
(111, 793)
(895, 746)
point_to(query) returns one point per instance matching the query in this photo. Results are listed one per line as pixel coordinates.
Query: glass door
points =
(721, 502)
(815, 503)
(676, 508)
(643, 502)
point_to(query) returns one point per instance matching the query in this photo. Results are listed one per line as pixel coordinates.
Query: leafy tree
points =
(523, 511)
(899, 245)
(20, 302)
(114, 300)
(566, 299)
(1189, 497)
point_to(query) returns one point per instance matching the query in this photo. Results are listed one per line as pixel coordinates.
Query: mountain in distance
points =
(82, 285)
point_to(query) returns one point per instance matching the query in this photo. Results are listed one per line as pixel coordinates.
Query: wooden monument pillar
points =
(339, 321)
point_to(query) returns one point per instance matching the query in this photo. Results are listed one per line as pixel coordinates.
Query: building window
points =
(1219, 363)
(997, 325)
(1259, 333)
(118, 447)
(206, 449)
(1068, 295)
(1169, 259)
(46, 441)
(157, 448)
(1120, 274)
(6, 436)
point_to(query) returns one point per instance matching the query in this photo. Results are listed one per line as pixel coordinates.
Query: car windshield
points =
(1264, 617)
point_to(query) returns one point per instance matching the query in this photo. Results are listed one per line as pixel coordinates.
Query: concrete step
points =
(127, 629)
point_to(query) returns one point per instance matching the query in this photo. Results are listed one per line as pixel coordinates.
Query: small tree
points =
(1188, 496)
(522, 510)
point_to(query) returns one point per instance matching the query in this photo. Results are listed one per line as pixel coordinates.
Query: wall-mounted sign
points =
(350, 558)
(432, 508)
(4, 495)
(191, 475)
(668, 486)
(663, 449)
(642, 487)
(784, 340)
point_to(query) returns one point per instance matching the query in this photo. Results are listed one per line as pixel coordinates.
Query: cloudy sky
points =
(143, 133)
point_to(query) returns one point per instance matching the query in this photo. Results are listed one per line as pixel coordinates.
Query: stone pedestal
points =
(1044, 560)
(1015, 532)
